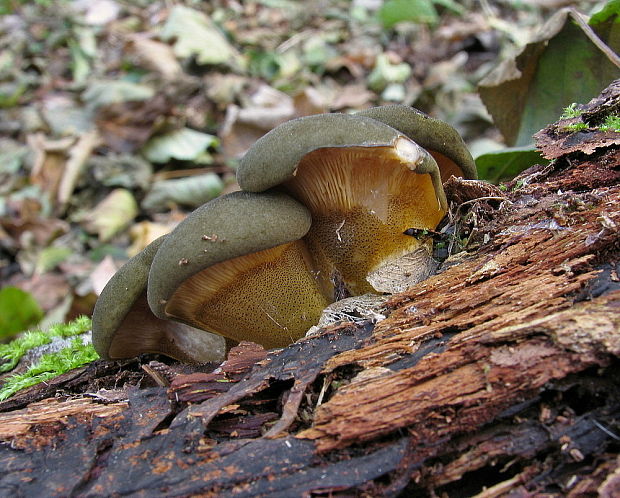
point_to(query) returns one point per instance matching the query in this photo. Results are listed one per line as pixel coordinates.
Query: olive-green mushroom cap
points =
(274, 157)
(430, 133)
(119, 295)
(227, 227)
(124, 326)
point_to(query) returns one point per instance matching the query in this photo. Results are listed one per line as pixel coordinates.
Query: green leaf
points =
(10, 94)
(111, 92)
(127, 171)
(265, 65)
(386, 73)
(564, 64)
(12, 154)
(196, 35)
(184, 144)
(609, 10)
(112, 215)
(316, 53)
(18, 311)
(507, 163)
(50, 257)
(451, 5)
(418, 11)
(83, 49)
(192, 191)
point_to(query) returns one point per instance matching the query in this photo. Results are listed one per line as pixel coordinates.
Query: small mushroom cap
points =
(124, 326)
(274, 157)
(365, 184)
(225, 228)
(437, 136)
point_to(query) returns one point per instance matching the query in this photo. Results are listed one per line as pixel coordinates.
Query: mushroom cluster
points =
(327, 203)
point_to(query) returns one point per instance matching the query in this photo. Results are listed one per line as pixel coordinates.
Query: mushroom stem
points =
(145, 333)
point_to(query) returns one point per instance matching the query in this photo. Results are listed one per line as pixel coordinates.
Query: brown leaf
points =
(50, 157)
(154, 55)
(58, 163)
(24, 216)
(354, 96)
(127, 126)
(144, 233)
(48, 289)
(78, 155)
(101, 275)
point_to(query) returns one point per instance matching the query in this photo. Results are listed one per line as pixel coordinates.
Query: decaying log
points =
(498, 376)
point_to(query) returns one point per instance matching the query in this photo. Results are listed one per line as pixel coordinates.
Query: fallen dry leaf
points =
(48, 289)
(145, 232)
(154, 55)
(125, 127)
(102, 273)
(111, 215)
(78, 154)
(49, 159)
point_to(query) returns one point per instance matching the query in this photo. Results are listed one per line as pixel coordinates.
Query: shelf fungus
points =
(331, 206)
(367, 184)
(124, 326)
(237, 266)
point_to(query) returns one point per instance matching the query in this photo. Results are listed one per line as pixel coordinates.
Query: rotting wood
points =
(49, 411)
(473, 379)
(499, 375)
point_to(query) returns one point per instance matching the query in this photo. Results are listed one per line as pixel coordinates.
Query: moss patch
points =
(49, 365)
(612, 123)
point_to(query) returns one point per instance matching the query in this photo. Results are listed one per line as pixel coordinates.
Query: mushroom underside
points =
(362, 200)
(447, 167)
(263, 266)
(124, 325)
(142, 332)
(271, 296)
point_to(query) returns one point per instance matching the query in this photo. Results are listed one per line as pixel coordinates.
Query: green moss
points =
(571, 112)
(576, 126)
(612, 123)
(12, 352)
(49, 366)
